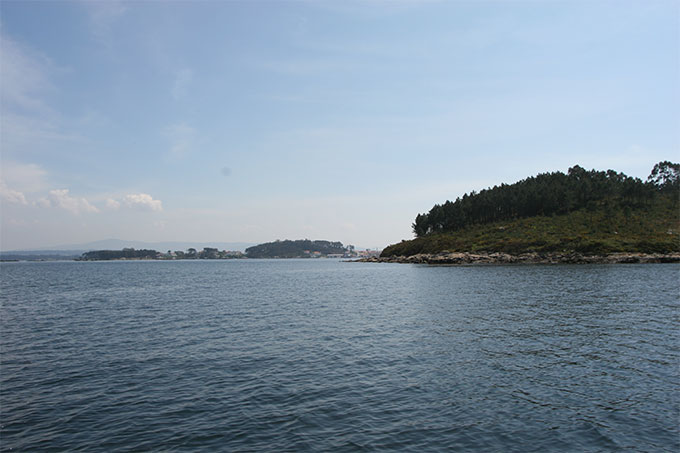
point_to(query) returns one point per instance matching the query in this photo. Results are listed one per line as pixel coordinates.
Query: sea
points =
(324, 355)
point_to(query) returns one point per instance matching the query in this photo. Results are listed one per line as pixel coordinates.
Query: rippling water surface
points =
(322, 355)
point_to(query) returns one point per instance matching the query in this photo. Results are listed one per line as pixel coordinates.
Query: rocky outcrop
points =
(458, 258)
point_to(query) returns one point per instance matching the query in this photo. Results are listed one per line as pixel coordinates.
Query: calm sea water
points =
(322, 355)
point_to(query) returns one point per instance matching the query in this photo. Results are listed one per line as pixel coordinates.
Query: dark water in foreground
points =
(320, 355)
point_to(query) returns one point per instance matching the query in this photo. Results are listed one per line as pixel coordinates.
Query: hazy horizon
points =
(255, 121)
(161, 246)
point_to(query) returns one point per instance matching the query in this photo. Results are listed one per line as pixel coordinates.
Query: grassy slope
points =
(650, 229)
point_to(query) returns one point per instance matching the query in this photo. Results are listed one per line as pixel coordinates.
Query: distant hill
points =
(592, 212)
(295, 249)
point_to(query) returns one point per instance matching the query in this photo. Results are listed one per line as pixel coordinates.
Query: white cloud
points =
(142, 201)
(112, 204)
(136, 201)
(60, 198)
(11, 196)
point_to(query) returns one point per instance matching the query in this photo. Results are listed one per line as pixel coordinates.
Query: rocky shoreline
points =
(458, 258)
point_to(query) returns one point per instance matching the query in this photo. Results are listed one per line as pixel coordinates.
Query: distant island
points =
(303, 248)
(581, 216)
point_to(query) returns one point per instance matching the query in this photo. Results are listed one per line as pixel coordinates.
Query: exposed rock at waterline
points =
(458, 258)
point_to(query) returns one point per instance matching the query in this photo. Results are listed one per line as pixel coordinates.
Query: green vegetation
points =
(583, 211)
(297, 249)
(207, 253)
(104, 255)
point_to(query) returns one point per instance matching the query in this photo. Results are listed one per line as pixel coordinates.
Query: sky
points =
(340, 120)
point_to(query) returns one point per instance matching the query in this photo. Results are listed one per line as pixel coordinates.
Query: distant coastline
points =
(287, 249)
(274, 250)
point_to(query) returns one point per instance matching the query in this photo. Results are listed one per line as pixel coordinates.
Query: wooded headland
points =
(591, 213)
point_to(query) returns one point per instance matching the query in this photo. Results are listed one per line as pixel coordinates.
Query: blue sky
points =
(255, 121)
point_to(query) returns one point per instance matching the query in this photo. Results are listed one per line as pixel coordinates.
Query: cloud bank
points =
(11, 196)
(60, 198)
(142, 202)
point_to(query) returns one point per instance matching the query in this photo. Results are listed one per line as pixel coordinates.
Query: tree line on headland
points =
(593, 212)
(549, 194)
